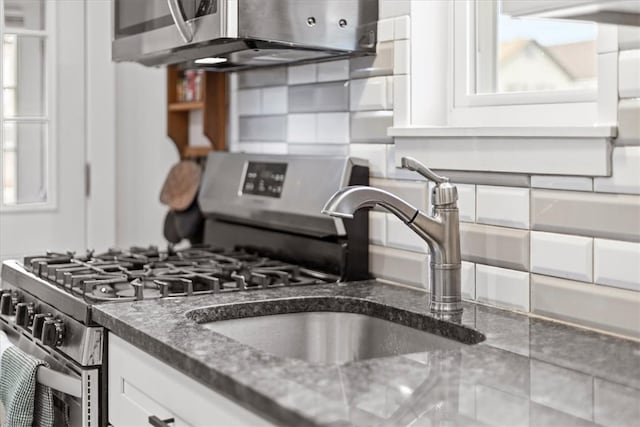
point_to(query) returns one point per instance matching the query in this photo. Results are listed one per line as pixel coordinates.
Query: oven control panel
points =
(264, 179)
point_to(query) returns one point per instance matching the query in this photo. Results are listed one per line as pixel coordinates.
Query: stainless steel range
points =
(263, 229)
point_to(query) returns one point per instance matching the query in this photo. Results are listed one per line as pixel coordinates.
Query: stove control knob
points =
(24, 314)
(8, 302)
(38, 323)
(52, 332)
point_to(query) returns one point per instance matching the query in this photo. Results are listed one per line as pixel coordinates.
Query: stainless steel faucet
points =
(441, 229)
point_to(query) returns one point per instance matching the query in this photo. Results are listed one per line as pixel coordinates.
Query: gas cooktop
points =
(147, 272)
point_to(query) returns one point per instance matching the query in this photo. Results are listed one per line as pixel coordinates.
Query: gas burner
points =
(148, 273)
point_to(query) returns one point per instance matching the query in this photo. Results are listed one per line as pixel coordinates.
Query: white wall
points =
(101, 132)
(144, 154)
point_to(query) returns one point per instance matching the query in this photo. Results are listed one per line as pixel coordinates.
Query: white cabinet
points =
(623, 12)
(141, 386)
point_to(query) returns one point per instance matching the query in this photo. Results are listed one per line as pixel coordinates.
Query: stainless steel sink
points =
(329, 337)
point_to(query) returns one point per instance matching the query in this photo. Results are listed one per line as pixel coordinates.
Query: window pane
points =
(25, 14)
(538, 55)
(24, 163)
(24, 74)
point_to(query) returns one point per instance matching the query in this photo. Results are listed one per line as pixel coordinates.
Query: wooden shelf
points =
(214, 113)
(186, 106)
(195, 152)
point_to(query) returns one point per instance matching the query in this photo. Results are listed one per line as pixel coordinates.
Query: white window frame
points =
(570, 108)
(48, 34)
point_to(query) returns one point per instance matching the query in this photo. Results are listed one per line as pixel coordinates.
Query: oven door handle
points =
(63, 383)
(60, 382)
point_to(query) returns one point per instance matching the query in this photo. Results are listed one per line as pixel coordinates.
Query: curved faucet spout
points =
(349, 199)
(440, 230)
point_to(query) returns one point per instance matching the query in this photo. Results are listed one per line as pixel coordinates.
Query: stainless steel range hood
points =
(235, 34)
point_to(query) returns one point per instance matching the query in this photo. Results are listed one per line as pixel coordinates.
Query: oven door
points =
(77, 394)
(147, 28)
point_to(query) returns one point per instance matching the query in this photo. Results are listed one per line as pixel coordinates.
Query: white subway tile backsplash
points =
(502, 287)
(400, 236)
(261, 77)
(376, 154)
(333, 128)
(629, 74)
(498, 246)
(467, 202)
(249, 102)
(298, 74)
(626, 173)
(371, 126)
(332, 97)
(385, 30)
(319, 149)
(628, 122)
(390, 92)
(249, 147)
(616, 310)
(586, 214)
(503, 206)
(411, 268)
(368, 94)
(617, 264)
(393, 8)
(275, 148)
(401, 100)
(274, 100)
(468, 279)
(380, 64)
(378, 228)
(628, 38)
(263, 128)
(401, 57)
(301, 127)
(320, 97)
(575, 183)
(561, 255)
(413, 192)
(333, 70)
(402, 28)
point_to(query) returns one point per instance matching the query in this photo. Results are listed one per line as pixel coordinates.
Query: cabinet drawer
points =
(141, 385)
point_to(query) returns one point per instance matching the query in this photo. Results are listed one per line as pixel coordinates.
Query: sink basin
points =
(328, 337)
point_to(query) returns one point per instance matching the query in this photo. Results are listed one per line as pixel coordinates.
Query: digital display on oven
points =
(264, 179)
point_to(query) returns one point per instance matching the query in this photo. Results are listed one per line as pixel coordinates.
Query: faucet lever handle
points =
(414, 165)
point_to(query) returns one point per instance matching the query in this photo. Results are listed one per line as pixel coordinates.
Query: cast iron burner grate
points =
(148, 272)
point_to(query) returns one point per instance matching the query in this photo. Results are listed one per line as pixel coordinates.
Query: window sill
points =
(569, 151)
(28, 207)
(505, 132)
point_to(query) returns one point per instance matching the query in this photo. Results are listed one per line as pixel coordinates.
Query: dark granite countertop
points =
(528, 371)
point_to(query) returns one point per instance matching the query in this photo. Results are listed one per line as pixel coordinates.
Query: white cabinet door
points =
(141, 386)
